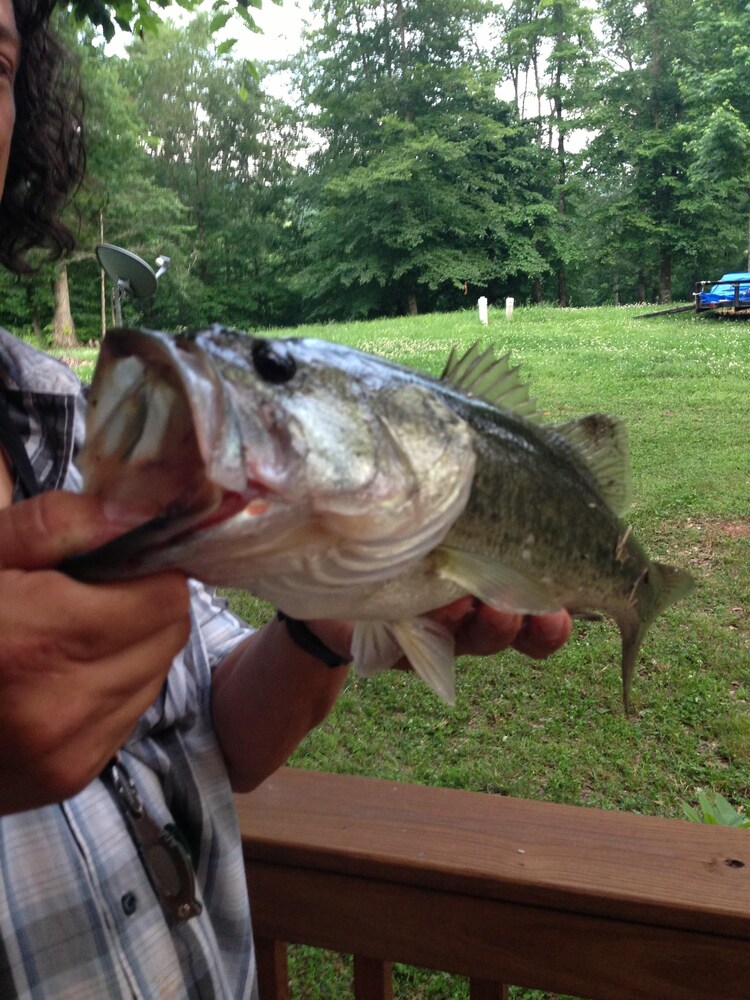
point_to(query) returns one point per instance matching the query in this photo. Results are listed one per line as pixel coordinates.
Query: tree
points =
(223, 147)
(714, 82)
(425, 184)
(141, 17)
(639, 157)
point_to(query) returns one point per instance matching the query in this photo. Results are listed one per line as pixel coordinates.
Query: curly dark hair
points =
(47, 156)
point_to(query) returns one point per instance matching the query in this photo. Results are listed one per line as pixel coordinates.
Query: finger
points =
(136, 677)
(487, 631)
(455, 614)
(88, 621)
(40, 532)
(66, 739)
(540, 636)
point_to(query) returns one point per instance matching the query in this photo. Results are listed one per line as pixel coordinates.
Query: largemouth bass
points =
(339, 485)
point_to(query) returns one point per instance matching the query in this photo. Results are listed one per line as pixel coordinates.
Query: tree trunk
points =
(63, 327)
(412, 304)
(403, 57)
(32, 310)
(562, 175)
(665, 278)
(102, 281)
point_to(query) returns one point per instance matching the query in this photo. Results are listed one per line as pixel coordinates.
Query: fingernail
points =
(123, 516)
(557, 628)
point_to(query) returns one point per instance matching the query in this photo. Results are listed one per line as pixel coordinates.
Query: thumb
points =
(39, 533)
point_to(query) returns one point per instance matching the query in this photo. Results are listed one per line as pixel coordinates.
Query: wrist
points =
(326, 641)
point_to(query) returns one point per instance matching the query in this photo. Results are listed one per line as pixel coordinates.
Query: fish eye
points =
(273, 362)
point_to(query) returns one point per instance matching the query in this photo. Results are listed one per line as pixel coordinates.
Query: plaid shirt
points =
(78, 917)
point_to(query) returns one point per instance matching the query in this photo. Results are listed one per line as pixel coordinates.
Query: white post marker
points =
(483, 314)
(509, 308)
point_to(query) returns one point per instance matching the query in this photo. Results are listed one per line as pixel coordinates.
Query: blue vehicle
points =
(732, 290)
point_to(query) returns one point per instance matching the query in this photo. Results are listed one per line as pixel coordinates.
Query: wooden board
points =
(663, 873)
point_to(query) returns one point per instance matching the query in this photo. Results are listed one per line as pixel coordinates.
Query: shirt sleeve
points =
(220, 629)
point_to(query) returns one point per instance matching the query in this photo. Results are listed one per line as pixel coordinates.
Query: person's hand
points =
(478, 630)
(481, 630)
(78, 663)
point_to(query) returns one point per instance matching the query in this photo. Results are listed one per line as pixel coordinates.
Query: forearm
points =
(267, 694)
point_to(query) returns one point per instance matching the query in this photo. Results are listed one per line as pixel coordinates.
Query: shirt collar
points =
(26, 369)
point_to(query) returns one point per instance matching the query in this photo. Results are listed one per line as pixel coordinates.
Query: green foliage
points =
(202, 179)
(426, 183)
(716, 810)
(224, 149)
(644, 212)
(143, 17)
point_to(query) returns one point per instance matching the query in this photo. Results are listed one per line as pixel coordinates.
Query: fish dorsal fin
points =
(602, 442)
(479, 373)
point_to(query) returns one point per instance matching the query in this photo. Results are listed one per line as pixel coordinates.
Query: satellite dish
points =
(128, 271)
(131, 275)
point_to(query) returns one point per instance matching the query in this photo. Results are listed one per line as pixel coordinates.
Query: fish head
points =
(248, 455)
(160, 435)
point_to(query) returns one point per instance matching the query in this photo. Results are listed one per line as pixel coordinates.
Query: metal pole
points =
(103, 281)
(117, 303)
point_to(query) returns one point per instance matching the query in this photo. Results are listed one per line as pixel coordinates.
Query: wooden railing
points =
(595, 904)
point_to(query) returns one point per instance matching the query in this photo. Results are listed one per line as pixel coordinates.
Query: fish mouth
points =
(164, 449)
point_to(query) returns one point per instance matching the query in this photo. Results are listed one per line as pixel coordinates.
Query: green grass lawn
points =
(556, 730)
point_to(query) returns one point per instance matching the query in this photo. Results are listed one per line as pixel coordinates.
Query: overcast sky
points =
(281, 24)
(281, 30)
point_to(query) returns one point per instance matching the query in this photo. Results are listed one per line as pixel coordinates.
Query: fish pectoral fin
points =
(428, 646)
(602, 442)
(498, 585)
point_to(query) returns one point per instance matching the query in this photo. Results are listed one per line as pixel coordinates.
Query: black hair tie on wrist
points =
(301, 636)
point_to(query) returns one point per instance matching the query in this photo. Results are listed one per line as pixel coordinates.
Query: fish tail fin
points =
(428, 646)
(658, 589)
(671, 584)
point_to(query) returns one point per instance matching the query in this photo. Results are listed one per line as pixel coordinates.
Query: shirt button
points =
(129, 904)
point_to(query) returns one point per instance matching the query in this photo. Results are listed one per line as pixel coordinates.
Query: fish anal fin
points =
(501, 586)
(601, 441)
(483, 375)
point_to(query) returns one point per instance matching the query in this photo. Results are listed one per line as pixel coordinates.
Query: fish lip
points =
(140, 550)
(181, 362)
(254, 501)
(198, 468)
(213, 483)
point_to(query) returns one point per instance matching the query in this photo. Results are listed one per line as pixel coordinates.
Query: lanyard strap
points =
(161, 848)
(11, 440)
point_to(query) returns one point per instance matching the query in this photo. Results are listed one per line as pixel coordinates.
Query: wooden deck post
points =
(373, 979)
(484, 989)
(273, 969)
